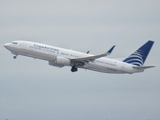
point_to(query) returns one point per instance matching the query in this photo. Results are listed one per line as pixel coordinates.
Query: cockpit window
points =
(14, 42)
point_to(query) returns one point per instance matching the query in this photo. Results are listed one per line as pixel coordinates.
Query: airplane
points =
(60, 57)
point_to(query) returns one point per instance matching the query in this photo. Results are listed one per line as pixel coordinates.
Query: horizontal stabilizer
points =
(142, 67)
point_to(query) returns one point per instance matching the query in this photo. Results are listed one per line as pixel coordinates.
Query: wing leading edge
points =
(92, 58)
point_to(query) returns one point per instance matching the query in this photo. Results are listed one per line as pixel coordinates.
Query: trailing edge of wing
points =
(142, 67)
(94, 56)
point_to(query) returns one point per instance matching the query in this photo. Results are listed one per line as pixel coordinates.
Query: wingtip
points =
(151, 41)
(110, 51)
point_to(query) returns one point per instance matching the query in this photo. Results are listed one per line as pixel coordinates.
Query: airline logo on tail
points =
(139, 56)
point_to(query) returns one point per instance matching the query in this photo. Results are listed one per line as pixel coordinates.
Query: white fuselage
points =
(50, 53)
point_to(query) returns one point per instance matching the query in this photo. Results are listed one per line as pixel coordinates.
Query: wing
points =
(91, 58)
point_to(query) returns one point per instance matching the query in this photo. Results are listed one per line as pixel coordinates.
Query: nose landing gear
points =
(14, 57)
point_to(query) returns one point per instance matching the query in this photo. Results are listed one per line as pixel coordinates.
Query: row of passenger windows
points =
(105, 63)
(69, 55)
(45, 49)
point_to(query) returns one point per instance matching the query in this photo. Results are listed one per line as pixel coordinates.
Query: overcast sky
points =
(32, 90)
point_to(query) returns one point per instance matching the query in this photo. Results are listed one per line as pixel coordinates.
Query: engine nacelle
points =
(55, 65)
(62, 61)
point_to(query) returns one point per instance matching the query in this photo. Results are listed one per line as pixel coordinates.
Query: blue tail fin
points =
(139, 56)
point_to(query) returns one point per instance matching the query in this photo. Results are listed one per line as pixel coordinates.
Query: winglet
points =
(87, 52)
(110, 51)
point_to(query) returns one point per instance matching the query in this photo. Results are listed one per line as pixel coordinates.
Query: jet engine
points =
(62, 61)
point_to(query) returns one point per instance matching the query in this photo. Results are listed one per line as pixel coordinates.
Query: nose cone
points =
(7, 45)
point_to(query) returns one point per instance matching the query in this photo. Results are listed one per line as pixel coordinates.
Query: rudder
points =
(139, 56)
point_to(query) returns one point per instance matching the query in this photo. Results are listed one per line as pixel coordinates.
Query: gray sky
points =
(32, 90)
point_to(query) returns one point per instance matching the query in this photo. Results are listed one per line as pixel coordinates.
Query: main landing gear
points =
(74, 69)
